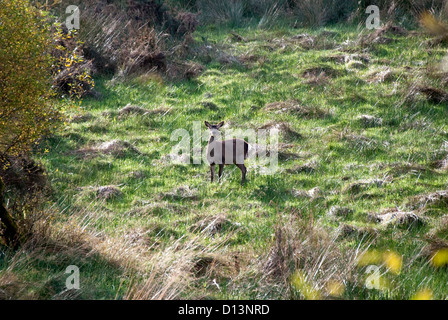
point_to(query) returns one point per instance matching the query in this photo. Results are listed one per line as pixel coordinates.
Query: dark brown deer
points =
(233, 151)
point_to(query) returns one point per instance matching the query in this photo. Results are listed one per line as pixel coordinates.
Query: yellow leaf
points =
(423, 294)
(393, 261)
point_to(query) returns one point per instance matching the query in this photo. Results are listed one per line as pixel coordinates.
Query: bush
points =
(26, 111)
(72, 72)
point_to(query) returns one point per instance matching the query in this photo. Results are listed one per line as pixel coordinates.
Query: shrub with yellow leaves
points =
(72, 72)
(26, 111)
(393, 261)
(390, 259)
(440, 258)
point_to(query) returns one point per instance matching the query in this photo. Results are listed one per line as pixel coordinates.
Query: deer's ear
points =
(207, 124)
(220, 124)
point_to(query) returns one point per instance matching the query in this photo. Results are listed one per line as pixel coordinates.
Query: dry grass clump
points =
(440, 229)
(305, 40)
(113, 147)
(397, 217)
(71, 70)
(390, 29)
(357, 141)
(355, 64)
(313, 193)
(385, 75)
(441, 164)
(400, 168)
(418, 124)
(81, 117)
(213, 225)
(382, 35)
(302, 41)
(433, 198)
(143, 208)
(284, 152)
(369, 121)
(360, 142)
(105, 193)
(296, 108)
(228, 59)
(169, 276)
(11, 287)
(345, 231)
(339, 212)
(320, 75)
(283, 128)
(139, 37)
(24, 176)
(131, 109)
(180, 193)
(434, 95)
(338, 58)
(346, 58)
(303, 251)
(209, 105)
(236, 37)
(116, 147)
(184, 70)
(211, 266)
(108, 192)
(175, 268)
(308, 167)
(358, 186)
(248, 60)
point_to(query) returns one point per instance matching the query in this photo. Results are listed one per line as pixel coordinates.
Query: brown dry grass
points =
(296, 108)
(163, 274)
(113, 147)
(301, 247)
(320, 75)
(284, 129)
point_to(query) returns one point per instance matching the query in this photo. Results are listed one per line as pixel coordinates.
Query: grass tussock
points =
(305, 262)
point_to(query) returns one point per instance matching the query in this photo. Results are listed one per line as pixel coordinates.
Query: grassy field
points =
(361, 144)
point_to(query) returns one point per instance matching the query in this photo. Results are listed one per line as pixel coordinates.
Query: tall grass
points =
(271, 15)
(230, 12)
(305, 260)
(138, 272)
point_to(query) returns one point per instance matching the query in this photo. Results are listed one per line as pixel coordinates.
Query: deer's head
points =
(214, 128)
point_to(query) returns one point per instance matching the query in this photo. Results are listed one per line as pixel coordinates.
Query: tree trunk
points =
(7, 223)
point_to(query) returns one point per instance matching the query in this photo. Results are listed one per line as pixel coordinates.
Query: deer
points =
(225, 152)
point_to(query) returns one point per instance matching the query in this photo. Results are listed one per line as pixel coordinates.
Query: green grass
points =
(241, 92)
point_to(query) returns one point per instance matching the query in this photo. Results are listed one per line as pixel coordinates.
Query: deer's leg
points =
(212, 171)
(221, 167)
(243, 172)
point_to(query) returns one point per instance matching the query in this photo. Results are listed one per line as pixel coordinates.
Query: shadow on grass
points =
(39, 272)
